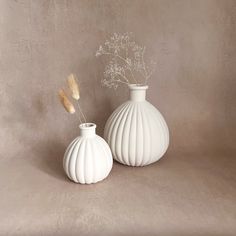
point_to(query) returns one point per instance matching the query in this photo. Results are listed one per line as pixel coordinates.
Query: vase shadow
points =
(50, 159)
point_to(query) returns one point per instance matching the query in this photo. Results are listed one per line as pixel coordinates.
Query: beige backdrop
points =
(191, 190)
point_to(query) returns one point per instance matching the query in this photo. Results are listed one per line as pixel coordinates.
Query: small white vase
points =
(88, 158)
(136, 131)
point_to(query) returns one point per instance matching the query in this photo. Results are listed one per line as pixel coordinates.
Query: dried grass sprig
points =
(73, 86)
(66, 102)
(74, 92)
(127, 64)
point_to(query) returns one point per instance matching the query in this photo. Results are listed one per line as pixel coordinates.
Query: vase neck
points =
(87, 129)
(138, 92)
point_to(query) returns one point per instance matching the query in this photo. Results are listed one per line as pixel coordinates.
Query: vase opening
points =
(138, 92)
(87, 129)
(138, 86)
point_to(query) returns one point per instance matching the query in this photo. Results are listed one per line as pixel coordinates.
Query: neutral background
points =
(191, 190)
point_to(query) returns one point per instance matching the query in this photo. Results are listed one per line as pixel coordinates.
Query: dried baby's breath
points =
(73, 86)
(66, 102)
(126, 62)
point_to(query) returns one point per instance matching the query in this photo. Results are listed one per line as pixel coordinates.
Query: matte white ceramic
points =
(136, 131)
(88, 158)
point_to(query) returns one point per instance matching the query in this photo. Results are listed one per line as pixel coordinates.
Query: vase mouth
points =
(87, 126)
(138, 86)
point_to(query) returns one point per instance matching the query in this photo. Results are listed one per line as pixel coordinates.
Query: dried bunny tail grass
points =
(73, 86)
(66, 102)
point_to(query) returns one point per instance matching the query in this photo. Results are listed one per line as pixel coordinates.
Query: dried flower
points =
(66, 102)
(73, 86)
(127, 61)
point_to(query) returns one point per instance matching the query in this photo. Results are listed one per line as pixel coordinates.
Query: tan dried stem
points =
(74, 88)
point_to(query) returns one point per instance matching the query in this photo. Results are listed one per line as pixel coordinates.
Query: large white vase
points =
(136, 131)
(88, 158)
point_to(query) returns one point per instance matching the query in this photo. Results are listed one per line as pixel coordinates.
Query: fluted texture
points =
(137, 134)
(88, 160)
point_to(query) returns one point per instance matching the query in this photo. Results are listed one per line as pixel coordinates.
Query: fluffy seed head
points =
(66, 102)
(73, 86)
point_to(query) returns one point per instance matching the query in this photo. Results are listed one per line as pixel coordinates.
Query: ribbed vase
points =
(136, 131)
(88, 158)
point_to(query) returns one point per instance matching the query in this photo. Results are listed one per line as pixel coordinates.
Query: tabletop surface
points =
(182, 194)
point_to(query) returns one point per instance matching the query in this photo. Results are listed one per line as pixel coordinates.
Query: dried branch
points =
(119, 47)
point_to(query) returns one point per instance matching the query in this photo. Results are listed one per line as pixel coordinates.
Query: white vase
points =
(88, 158)
(136, 131)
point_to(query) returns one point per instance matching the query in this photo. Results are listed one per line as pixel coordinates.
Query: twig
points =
(144, 66)
(123, 59)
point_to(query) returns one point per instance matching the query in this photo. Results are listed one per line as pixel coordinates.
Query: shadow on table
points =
(49, 159)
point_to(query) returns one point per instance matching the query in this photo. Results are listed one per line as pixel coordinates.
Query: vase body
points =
(136, 131)
(88, 158)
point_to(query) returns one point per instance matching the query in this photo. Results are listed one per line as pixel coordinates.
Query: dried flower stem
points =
(123, 76)
(79, 118)
(81, 112)
(124, 60)
(127, 60)
(144, 66)
(74, 88)
(74, 91)
(120, 81)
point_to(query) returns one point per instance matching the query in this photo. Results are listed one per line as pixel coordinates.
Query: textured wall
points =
(191, 191)
(41, 42)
